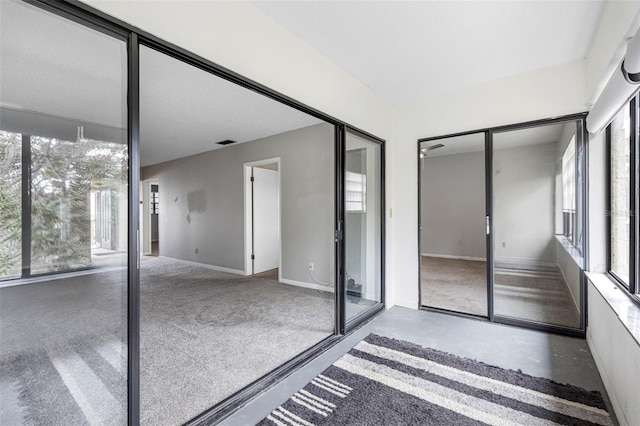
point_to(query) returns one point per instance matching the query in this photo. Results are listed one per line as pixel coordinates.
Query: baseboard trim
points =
(410, 304)
(524, 263)
(451, 256)
(206, 265)
(329, 289)
(59, 276)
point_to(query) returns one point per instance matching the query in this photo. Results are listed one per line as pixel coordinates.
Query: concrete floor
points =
(563, 359)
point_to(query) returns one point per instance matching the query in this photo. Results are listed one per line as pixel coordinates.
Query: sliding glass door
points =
(96, 119)
(63, 278)
(453, 259)
(502, 229)
(537, 224)
(363, 224)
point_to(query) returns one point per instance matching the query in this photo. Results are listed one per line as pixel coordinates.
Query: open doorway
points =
(149, 214)
(262, 218)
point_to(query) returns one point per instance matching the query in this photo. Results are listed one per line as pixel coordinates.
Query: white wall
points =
(202, 203)
(615, 350)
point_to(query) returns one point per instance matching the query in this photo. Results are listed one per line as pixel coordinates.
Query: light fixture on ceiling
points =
(225, 142)
(436, 146)
(423, 151)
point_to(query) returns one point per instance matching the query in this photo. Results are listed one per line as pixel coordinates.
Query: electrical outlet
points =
(312, 267)
(504, 245)
(196, 251)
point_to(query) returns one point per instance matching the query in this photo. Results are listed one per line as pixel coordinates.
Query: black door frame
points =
(90, 17)
(581, 144)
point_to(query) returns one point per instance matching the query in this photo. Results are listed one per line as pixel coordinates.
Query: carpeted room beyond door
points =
(206, 334)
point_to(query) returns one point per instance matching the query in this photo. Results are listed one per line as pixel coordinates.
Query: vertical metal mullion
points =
(339, 229)
(633, 204)
(488, 183)
(26, 223)
(608, 211)
(582, 170)
(420, 163)
(383, 226)
(133, 128)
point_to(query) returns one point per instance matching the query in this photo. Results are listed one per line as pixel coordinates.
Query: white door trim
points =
(248, 208)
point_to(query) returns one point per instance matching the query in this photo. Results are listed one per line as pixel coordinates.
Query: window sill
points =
(617, 298)
(571, 250)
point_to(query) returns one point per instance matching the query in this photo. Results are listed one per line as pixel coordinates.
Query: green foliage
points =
(63, 174)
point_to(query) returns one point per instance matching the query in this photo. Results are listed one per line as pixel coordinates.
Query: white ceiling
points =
(185, 111)
(408, 50)
(402, 50)
(54, 66)
(70, 75)
(511, 139)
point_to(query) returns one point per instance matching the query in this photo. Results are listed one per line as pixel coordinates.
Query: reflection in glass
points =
(362, 224)
(10, 204)
(209, 325)
(536, 234)
(620, 194)
(63, 313)
(79, 196)
(453, 232)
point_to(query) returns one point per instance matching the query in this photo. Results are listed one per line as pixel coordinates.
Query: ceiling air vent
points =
(225, 142)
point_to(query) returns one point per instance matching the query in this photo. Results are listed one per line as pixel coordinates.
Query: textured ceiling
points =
(408, 50)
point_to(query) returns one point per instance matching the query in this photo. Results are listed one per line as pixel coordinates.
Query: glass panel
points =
(10, 204)
(453, 214)
(210, 325)
(63, 334)
(620, 194)
(536, 236)
(362, 225)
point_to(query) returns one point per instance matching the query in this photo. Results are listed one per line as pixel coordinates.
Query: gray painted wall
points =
(202, 202)
(524, 196)
(453, 205)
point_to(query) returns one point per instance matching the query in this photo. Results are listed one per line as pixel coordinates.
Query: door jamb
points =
(248, 213)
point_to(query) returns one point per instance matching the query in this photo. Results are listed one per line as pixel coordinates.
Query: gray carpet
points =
(455, 285)
(384, 381)
(204, 335)
(461, 286)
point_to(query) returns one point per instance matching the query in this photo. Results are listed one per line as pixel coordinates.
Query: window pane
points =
(620, 194)
(63, 334)
(10, 204)
(362, 224)
(69, 182)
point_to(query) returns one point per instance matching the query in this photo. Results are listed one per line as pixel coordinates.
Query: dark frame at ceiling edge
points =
(490, 131)
(90, 17)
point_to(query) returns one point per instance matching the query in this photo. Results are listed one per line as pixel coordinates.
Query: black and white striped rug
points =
(384, 381)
